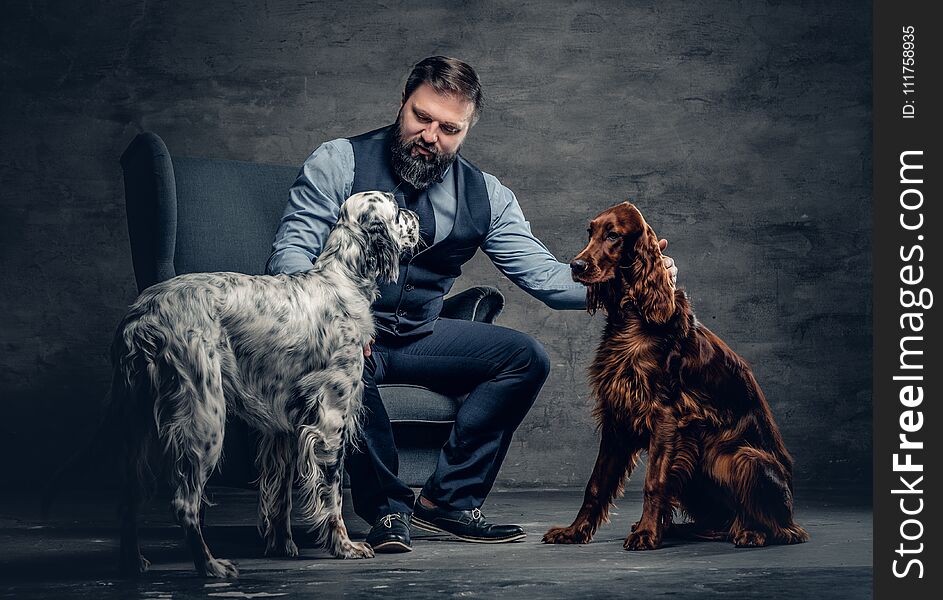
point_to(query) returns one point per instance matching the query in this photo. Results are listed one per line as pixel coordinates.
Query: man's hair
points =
(448, 76)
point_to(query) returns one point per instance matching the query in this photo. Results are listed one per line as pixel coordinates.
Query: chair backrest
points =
(227, 213)
(188, 215)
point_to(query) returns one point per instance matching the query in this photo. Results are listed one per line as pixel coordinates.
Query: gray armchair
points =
(189, 215)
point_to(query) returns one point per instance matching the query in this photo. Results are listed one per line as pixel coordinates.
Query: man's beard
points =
(419, 171)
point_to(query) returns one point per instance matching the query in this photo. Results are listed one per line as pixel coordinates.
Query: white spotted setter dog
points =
(283, 352)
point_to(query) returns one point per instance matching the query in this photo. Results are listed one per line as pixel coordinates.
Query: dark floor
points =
(72, 555)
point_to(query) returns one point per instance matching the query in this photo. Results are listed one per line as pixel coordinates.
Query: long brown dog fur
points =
(667, 385)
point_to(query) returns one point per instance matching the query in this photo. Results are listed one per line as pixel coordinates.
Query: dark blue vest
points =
(411, 305)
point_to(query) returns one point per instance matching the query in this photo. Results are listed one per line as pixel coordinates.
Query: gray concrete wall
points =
(742, 130)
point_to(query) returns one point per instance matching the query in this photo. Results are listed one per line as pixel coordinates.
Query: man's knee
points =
(533, 359)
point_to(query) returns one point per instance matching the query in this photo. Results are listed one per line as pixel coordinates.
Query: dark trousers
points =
(502, 370)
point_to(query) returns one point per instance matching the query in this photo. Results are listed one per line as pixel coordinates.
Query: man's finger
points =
(671, 267)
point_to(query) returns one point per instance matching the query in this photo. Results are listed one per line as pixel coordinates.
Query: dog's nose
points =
(578, 266)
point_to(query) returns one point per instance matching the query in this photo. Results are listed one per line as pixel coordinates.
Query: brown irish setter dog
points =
(665, 384)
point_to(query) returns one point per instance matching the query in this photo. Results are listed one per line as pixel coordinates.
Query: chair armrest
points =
(481, 303)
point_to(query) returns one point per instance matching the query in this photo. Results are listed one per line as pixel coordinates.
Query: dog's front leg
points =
(320, 472)
(614, 463)
(672, 455)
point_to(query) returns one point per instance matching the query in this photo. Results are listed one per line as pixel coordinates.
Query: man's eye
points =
(450, 130)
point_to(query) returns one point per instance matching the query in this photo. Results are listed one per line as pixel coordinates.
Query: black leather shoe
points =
(390, 534)
(467, 525)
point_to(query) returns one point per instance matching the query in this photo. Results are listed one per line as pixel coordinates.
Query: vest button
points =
(409, 287)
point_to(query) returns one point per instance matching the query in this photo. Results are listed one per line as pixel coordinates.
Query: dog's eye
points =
(613, 236)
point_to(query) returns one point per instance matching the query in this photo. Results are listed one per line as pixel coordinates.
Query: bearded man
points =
(461, 209)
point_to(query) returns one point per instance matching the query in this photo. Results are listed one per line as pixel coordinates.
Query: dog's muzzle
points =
(579, 269)
(409, 222)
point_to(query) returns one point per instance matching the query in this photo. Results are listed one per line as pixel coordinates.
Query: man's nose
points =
(578, 266)
(429, 135)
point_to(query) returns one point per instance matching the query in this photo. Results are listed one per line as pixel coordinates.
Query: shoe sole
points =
(391, 547)
(427, 526)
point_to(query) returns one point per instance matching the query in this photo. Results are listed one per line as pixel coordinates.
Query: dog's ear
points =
(651, 288)
(383, 252)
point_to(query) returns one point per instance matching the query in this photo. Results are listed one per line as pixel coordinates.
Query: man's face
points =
(430, 130)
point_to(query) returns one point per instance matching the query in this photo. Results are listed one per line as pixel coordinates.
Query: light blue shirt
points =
(325, 181)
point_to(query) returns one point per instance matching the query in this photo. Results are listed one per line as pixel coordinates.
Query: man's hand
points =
(367, 351)
(669, 262)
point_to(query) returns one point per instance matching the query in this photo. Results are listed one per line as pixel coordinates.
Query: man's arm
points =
(526, 261)
(523, 258)
(314, 201)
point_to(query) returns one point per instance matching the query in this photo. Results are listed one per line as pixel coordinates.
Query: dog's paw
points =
(642, 539)
(794, 534)
(133, 566)
(353, 550)
(281, 548)
(566, 535)
(746, 538)
(220, 568)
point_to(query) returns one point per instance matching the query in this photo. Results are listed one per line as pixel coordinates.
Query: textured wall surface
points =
(742, 130)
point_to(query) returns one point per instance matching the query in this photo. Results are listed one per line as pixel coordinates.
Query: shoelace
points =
(476, 514)
(388, 520)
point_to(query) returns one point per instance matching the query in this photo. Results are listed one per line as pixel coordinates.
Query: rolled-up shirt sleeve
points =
(314, 200)
(523, 258)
